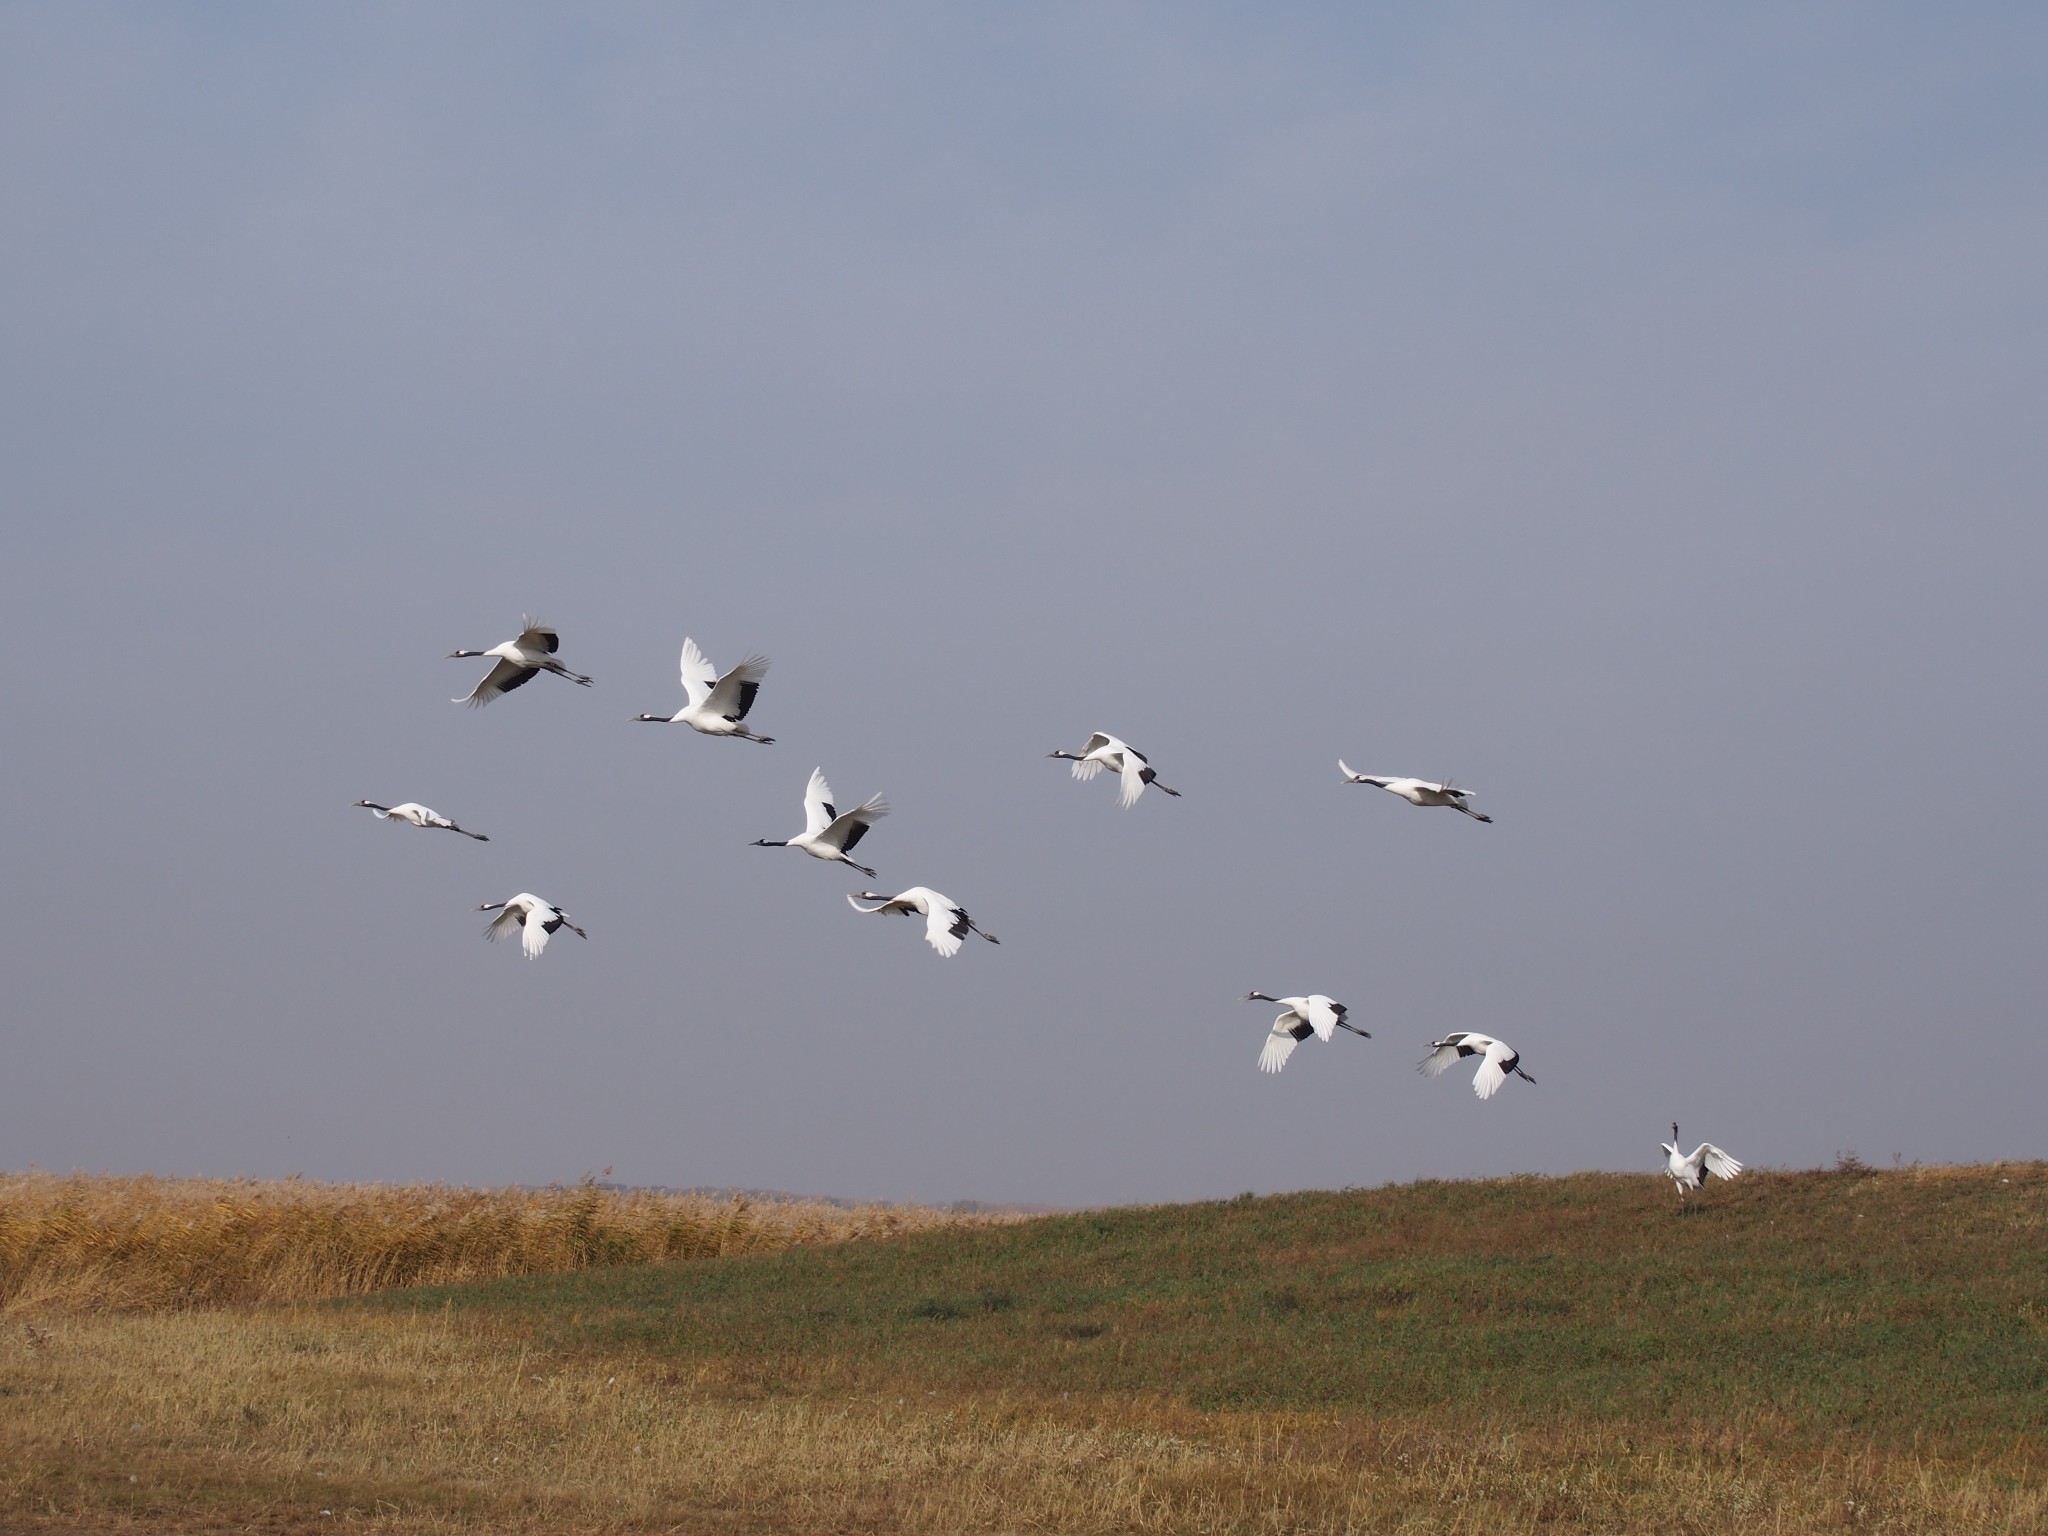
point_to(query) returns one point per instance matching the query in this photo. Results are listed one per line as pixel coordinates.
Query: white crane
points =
(1315, 1014)
(827, 834)
(1104, 751)
(1415, 791)
(419, 815)
(518, 660)
(534, 918)
(1690, 1173)
(712, 704)
(946, 923)
(1497, 1059)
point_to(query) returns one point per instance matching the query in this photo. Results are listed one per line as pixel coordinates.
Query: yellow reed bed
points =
(81, 1243)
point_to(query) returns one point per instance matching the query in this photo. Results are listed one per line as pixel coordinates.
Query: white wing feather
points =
(698, 673)
(1719, 1163)
(1133, 785)
(940, 916)
(533, 935)
(1279, 1046)
(1492, 1071)
(725, 698)
(1321, 1017)
(1438, 1061)
(818, 811)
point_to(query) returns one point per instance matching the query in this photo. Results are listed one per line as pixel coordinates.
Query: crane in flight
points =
(518, 660)
(417, 815)
(828, 834)
(1496, 1060)
(1102, 751)
(716, 705)
(1312, 1015)
(946, 923)
(535, 919)
(1415, 791)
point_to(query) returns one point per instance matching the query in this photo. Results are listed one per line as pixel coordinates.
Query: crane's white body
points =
(1312, 1015)
(1414, 791)
(828, 834)
(415, 814)
(518, 661)
(716, 705)
(1496, 1060)
(946, 924)
(1691, 1172)
(1128, 763)
(535, 919)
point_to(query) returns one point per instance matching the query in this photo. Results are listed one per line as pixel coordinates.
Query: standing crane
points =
(1690, 1173)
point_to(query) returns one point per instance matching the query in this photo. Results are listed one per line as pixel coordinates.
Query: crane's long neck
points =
(1259, 997)
(1069, 756)
(771, 842)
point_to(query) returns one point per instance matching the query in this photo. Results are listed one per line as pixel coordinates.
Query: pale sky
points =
(1633, 413)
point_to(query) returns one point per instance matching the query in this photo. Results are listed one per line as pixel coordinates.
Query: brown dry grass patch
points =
(308, 1419)
(98, 1243)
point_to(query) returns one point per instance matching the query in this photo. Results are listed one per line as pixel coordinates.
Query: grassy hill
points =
(1848, 1349)
(1910, 1303)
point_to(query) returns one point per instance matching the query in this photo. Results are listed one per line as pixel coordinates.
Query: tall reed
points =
(97, 1243)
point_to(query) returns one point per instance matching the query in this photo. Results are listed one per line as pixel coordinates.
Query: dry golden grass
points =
(83, 1243)
(1843, 1351)
(448, 1423)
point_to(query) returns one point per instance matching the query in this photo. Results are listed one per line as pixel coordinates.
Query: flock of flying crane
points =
(717, 705)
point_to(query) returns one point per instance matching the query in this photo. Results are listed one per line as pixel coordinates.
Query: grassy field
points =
(1842, 1350)
(83, 1243)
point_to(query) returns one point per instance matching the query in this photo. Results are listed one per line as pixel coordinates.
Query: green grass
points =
(1904, 1307)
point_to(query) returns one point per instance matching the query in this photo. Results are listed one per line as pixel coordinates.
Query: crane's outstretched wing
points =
(1494, 1067)
(845, 831)
(1439, 1061)
(1718, 1163)
(501, 679)
(818, 808)
(1280, 1042)
(1134, 778)
(734, 695)
(945, 926)
(1322, 1018)
(533, 933)
(698, 674)
(1085, 768)
(504, 922)
(536, 636)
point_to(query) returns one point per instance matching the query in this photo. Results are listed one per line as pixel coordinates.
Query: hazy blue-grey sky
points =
(1633, 412)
